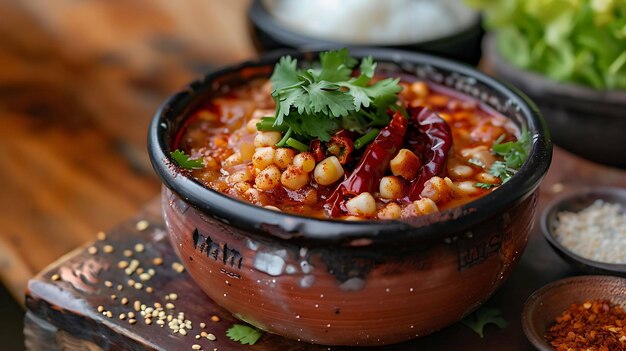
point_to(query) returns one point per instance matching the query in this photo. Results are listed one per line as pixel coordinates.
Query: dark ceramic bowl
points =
(343, 282)
(269, 35)
(573, 202)
(545, 304)
(587, 122)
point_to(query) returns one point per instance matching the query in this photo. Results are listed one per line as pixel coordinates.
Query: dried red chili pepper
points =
(372, 165)
(317, 150)
(341, 145)
(430, 140)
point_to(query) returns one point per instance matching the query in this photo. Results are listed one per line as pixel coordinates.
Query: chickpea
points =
(294, 178)
(283, 157)
(391, 187)
(487, 178)
(406, 164)
(466, 188)
(263, 157)
(425, 206)
(268, 179)
(241, 187)
(304, 160)
(437, 189)
(391, 211)
(267, 139)
(363, 204)
(328, 171)
(479, 154)
(251, 125)
(240, 176)
(232, 160)
(460, 171)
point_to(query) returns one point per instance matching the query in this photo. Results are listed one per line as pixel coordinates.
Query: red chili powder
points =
(596, 325)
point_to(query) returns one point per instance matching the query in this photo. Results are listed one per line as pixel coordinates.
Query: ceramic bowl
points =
(545, 304)
(343, 282)
(268, 35)
(573, 202)
(587, 122)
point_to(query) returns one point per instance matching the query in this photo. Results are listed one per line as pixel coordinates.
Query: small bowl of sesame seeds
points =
(587, 228)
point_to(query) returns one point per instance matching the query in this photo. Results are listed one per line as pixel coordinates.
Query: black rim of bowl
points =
(554, 206)
(259, 15)
(284, 225)
(530, 330)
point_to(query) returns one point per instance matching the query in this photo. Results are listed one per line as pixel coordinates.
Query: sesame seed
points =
(100, 308)
(178, 267)
(128, 253)
(169, 306)
(108, 284)
(183, 331)
(215, 319)
(56, 277)
(120, 287)
(197, 337)
(132, 321)
(113, 297)
(149, 290)
(211, 337)
(195, 347)
(139, 247)
(131, 282)
(101, 236)
(109, 314)
(157, 261)
(202, 325)
(145, 276)
(92, 250)
(131, 314)
(137, 305)
(138, 286)
(204, 334)
(122, 316)
(148, 321)
(108, 249)
(142, 225)
(151, 271)
(173, 296)
(122, 264)
(124, 301)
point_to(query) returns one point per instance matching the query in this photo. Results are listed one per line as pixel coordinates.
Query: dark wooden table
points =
(64, 312)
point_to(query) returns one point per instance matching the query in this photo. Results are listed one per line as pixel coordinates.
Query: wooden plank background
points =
(79, 82)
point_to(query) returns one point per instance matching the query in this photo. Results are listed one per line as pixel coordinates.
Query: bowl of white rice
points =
(587, 228)
(442, 27)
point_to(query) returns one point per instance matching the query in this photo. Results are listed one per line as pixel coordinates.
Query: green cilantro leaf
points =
(318, 101)
(514, 154)
(184, 161)
(484, 185)
(479, 319)
(244, 334)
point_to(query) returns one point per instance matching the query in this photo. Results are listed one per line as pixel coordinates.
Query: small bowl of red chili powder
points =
(578, 313)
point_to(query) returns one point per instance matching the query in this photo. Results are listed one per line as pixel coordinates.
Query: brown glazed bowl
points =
(342, 282)
(576, 201)
(545, 304)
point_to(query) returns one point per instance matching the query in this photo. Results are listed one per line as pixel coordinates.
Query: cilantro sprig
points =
(244, 334)
(479, 319)
(184, 160)
(514, 154)
(316, 102)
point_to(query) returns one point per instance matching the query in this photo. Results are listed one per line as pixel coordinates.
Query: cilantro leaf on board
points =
(184, 160)
(318, 101)
(244, 334)
(479, 319)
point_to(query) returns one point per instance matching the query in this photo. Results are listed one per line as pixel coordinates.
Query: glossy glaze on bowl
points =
(342, 282)
(545, 304)
(576, 201)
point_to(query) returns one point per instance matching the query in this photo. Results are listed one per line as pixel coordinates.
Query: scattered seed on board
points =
(149, 290)
(202, 325)
(120, 287)
(139, 247)
(108, 249)
(178, 267)
(132, 321)
(215, 319)
(145, 276)
(122, 264)
(109, 314)
(196, 347)
(122, 316)
(113, 297)
(101, 236)
(157, 261)
(142, 225)
(108, 284)
(92, 250)
(56, 277)
(101, 309)
(124, 301)
(173, 296)
(211, 337)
